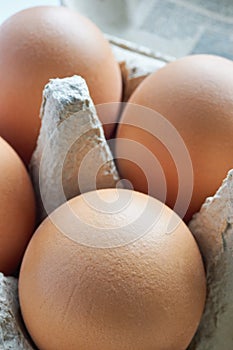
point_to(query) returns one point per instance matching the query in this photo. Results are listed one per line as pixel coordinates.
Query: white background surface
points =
(7, 8)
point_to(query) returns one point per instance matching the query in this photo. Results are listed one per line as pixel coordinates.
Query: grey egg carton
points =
(212, 228)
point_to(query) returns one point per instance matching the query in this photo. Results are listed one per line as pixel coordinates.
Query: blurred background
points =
(171, 27)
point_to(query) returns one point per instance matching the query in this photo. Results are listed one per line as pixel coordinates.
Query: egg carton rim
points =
(139, 49)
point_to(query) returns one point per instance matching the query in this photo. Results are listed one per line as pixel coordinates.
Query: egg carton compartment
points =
(212, 227)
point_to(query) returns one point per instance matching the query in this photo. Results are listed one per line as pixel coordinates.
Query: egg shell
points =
(46, 42)
(79, 289)
(17, 209)
(195, 95)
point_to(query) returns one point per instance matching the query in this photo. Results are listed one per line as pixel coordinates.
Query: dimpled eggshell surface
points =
(195, 95)
(118, 279)
(46, 42)
(17, 209)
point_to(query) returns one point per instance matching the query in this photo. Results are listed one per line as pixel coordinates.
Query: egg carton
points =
(212, 226)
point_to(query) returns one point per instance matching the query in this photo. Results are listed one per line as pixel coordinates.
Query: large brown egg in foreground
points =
(17, 209)
(190, 101)
(124, 274)
(40, 43)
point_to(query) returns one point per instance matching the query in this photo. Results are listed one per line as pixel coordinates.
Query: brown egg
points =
(182, 134)
(40, 43)
(17, 209)
(113, 269)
